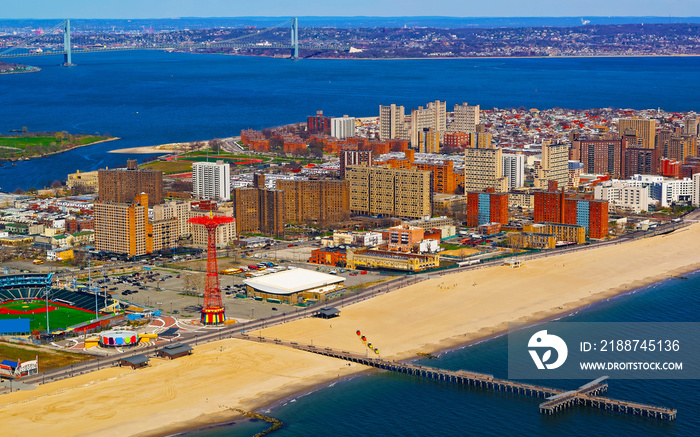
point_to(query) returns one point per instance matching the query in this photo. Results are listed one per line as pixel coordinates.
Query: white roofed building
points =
(296, 286)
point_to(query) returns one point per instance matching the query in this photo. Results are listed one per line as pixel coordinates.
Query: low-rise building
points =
(296, 286)
(562, 232)
(530, 240)
(387, 260)
(329, 256)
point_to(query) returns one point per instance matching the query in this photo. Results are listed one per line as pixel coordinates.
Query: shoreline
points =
(604, 56)
(165, 149)
(431, 316)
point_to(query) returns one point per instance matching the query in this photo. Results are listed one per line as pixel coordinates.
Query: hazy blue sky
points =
(238, 8)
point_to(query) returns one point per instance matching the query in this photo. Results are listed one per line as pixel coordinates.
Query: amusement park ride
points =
(213, 310)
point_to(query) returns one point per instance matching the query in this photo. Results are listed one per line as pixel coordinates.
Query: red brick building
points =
(487, 207)
(669, 167)
(554, 206)
(318, 123)
(458, 140)
(329, 256)
(601, 156)
(641, 161)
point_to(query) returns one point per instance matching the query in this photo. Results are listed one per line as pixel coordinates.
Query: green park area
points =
(30, 145)
(60, 317)
(169, 167)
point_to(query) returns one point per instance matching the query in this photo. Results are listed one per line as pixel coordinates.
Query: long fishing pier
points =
(556, 400)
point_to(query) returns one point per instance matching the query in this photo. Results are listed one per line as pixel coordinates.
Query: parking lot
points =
(179, 291)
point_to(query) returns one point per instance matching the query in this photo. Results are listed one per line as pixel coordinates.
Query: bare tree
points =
(216, 145)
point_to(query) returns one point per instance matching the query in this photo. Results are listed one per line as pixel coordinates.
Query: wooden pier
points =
(556, 400)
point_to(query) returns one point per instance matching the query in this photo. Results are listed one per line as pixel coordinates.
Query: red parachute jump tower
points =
(213, 309)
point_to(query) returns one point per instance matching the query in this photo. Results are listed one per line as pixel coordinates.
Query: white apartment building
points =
(665, 191)
(673, 190)
(621, 195)
(343, 127)
(212, 180)
(174, 209)
(514, 170)
(392, 122)
(696, 189)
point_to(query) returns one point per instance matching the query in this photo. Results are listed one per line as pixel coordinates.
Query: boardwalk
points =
(556, 399)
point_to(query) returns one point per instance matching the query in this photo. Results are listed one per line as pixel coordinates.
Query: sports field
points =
(59, 316)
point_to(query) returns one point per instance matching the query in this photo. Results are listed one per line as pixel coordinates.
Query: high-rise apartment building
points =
(259, 209)
(392, 122)
(428, 141)
(487, 207)
(641, 161)
(466, 118)
(343, 127)
(602, 156)
(554, 206)
(483, 168)
(325, 200)
(212, 180)
(554, 165)
(442, 173)
(390, 192)
(318, 123)
(644, 130)
(124, 228)
(434, 117)
(178, 209)
(480, 140)
(514, 170)
(353, 157)
(121, 185)
(691, 126)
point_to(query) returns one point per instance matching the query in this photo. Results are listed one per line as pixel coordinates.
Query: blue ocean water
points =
(392, 404)
(150, 98)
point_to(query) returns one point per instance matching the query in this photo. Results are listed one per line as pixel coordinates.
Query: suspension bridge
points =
(47, 43)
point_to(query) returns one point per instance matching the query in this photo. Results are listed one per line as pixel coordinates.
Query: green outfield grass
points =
(60, 318)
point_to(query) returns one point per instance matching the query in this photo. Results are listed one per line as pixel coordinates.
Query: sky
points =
(380, 8)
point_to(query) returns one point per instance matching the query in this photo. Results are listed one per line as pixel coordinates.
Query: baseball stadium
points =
(31, 297)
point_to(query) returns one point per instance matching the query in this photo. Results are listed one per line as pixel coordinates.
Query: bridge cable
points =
(28, 41)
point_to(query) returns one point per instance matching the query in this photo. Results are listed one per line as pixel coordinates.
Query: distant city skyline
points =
(137, 9)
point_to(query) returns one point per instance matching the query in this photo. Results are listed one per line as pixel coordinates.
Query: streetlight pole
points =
(46, 295)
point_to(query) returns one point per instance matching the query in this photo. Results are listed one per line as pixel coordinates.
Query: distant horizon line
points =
(414, 17)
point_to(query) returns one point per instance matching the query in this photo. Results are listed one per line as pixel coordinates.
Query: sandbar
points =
(433, 315)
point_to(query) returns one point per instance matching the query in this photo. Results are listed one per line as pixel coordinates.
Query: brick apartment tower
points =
(123, 185)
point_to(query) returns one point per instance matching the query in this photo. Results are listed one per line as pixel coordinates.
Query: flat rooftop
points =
(292, 281)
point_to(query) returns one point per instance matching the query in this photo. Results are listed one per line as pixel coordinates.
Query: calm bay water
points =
(150, 98)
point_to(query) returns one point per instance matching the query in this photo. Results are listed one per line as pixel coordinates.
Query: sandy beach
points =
(433, 315)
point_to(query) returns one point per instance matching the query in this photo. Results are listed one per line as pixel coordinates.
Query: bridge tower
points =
(295, 38)
(67, 61)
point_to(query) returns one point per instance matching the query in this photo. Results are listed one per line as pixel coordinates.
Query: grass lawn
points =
(59, 318)
(169, 167)
(48, 359)
(24, 142)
